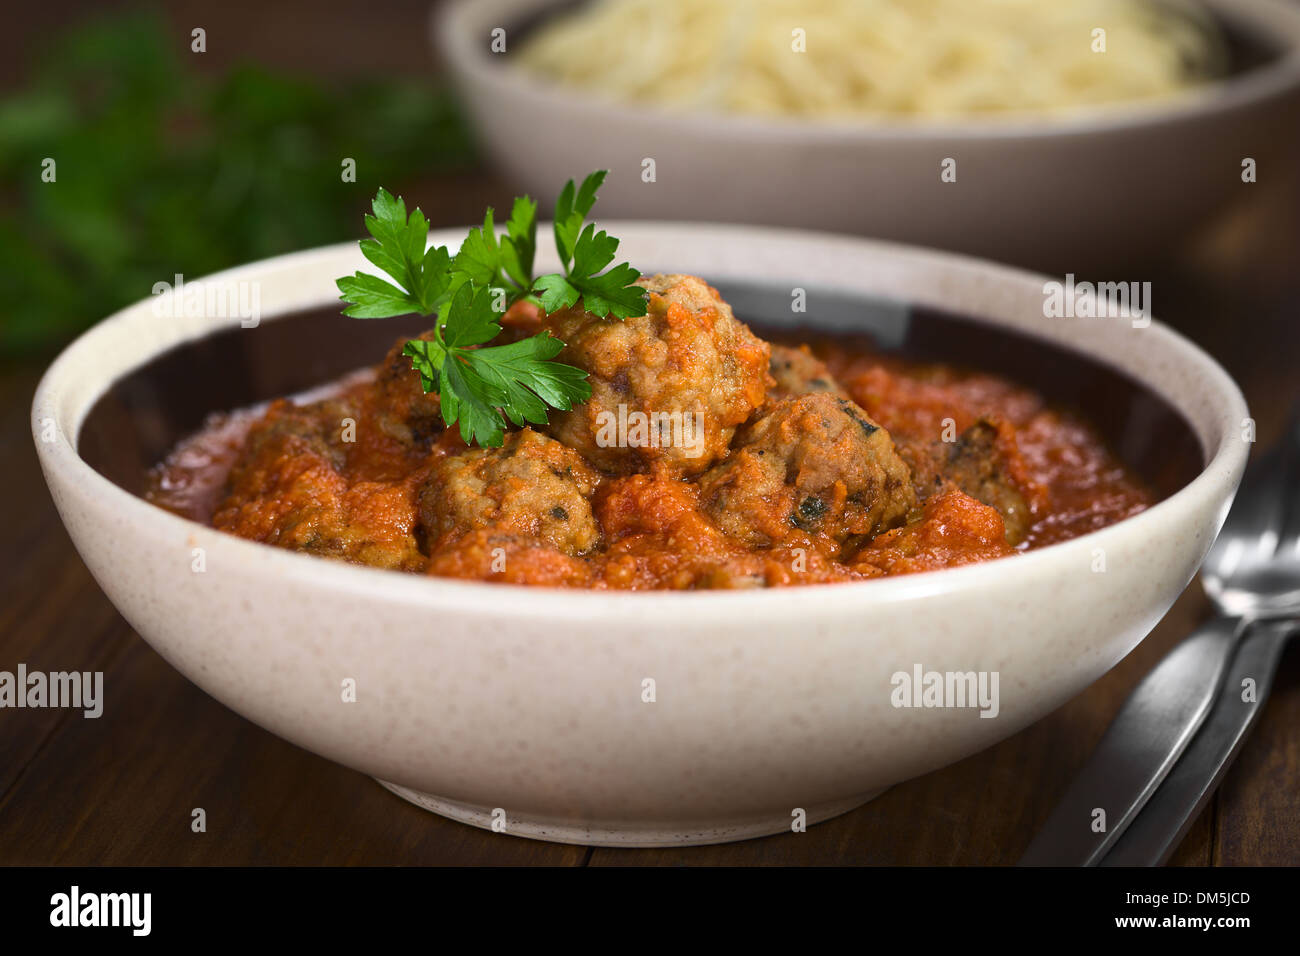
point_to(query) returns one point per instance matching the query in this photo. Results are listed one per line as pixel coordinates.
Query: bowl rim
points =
(451, 21)
(114, 338)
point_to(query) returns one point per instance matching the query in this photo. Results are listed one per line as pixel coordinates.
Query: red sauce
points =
(406, 495)
(1078, 484)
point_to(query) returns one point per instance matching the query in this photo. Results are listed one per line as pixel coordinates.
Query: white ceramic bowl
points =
(1098, 190)
(473, 697)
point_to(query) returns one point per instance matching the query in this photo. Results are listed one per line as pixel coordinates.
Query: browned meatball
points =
(981, 462)
(288, 489)
(316, 427)
(532, 486)
(815, 463)
(668, 387)
(796, 371)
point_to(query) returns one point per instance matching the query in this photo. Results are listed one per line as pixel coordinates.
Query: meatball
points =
(982, 462)
(817, 464)
(796, 371)
(667, 388)
(288, 489)
(315, 428)
(532, 487)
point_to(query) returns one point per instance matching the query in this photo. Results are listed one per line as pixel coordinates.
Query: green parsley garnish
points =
(584, 253)
(480, 385)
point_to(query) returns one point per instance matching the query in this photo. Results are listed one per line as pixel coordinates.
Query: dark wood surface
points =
(120, 789)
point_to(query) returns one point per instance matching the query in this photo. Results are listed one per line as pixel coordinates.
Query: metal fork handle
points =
(1139, 748)
(1152, 838)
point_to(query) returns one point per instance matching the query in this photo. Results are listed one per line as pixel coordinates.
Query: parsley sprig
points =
(584, 253)
(482, 385)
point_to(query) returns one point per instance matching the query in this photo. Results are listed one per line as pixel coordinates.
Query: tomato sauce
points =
(992, 470)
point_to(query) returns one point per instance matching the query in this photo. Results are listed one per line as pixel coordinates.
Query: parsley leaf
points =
(426, 358)
(373, 298)
(470, 320)
(608, 293)
(584, 252)
(481, 385)
(505, 262)
(557, 293)
(479, 258)
(471, 400)
(398, 248)
(518, 378)
(520, 244)
(612, 292)
(570, 211)
(527, 378)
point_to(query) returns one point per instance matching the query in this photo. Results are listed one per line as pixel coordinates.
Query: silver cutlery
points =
(1246, 577)
(1152, 838)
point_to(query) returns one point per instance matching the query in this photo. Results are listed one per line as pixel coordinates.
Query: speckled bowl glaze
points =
(526, 708)
(1131, 180)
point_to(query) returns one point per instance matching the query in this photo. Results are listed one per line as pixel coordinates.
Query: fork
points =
(1247, 578)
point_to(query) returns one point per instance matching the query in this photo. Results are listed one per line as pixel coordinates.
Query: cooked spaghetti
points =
(879, 58)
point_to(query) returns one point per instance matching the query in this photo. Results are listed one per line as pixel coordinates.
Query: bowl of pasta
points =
(1069, 137)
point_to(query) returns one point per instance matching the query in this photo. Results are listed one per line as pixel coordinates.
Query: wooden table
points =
(120, 789)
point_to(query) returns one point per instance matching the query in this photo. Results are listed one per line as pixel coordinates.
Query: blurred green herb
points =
(163, 170)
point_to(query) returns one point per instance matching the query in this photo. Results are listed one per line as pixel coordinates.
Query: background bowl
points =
(495, 704)
(1115, 187)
